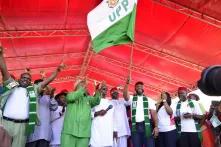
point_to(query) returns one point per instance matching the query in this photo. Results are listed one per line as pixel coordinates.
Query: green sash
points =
(32, 110)
(146, 115)
(197, 125)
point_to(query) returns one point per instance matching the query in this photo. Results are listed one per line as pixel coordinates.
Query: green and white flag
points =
(111, 23)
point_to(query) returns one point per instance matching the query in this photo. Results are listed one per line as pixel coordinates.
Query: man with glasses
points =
(18, 103)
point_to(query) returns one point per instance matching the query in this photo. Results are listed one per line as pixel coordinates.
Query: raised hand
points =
(3, 66)
(101, 85)
(52, 76)
(163, 95)
(83, 83)
(95, 84)
(80, 83)
(43, 74)
(1, 50)
(120, 88)
(61, 67)
(128, 80)
(52, 91)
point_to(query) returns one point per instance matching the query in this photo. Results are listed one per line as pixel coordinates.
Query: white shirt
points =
(166, 122)
(102, 127)
(57, 125)
(140, 109)
(188, 125)
(120, 117)
(17, 105)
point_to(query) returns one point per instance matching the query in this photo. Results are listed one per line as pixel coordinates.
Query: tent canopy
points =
(174, 41)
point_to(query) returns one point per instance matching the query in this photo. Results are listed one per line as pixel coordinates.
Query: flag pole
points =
(131, 59)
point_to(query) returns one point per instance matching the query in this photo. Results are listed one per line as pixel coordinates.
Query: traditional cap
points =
(182, 88)
(113, 89)
(62, 92)
(139, 83)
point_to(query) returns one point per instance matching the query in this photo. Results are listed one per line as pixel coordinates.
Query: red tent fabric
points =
(174, 41)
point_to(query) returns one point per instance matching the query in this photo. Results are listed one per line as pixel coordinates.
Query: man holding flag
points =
(143, 114)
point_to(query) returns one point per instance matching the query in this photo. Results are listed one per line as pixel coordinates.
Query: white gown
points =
(102, 126)
(57, 125)
(121, 121)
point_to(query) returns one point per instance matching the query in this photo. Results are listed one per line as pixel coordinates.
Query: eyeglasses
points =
(26, 78)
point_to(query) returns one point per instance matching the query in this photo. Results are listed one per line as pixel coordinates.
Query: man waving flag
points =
(112, 23)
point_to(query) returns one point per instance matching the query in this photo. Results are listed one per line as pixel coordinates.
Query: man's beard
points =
(114, 98)
(23, 85)
(139, 93)
(103, 95)
(183, 98)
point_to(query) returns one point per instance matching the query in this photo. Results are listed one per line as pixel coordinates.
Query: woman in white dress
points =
(57, 119)
(167, 128)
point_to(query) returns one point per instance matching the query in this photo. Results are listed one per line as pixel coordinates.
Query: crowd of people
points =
(33, 116)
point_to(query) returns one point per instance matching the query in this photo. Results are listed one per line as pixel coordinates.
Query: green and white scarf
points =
(32, 104)
(146, 115)
(197, 125)
(32, 110)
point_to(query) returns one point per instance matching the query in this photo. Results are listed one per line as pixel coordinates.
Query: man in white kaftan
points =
(120, 119)
(102, 124)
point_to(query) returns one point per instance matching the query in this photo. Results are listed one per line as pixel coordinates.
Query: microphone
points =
(109, 107)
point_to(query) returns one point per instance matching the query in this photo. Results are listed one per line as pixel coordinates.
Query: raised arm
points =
(95, 100)
(3, 66)
(168, 108)
(52, 76)
(80, 91)
(125, 91)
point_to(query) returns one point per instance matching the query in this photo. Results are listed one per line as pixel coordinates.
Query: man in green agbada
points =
(77, 123)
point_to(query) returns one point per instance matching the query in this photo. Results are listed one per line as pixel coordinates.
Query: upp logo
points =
(112, 3)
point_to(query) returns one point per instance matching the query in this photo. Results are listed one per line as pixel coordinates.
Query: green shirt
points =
(77, 121)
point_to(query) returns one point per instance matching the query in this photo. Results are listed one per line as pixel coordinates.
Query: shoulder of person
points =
(151, 100)
(131, 96)
(109, 100)
(121, 100)
(174, 103)
(195, 102)
(10, 83)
